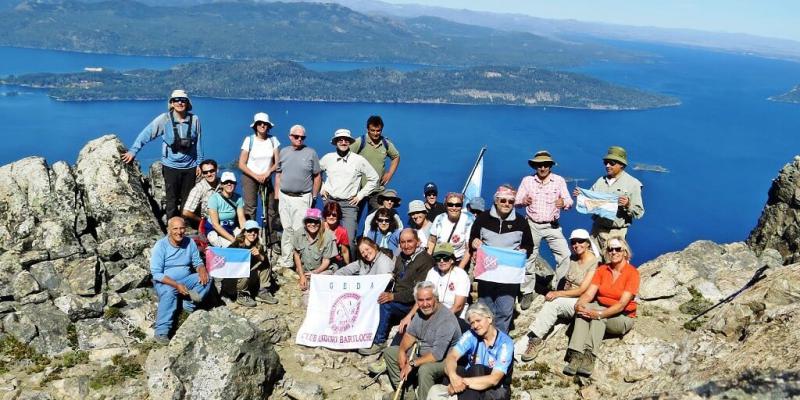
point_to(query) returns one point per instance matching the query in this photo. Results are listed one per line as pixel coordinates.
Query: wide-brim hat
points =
(342, 133)
(617, 153)
(443, 249)
(390, 194)
(262, 117)
(541, 157)
(179, 93)
(416, 206)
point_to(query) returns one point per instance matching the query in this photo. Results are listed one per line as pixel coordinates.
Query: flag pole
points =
(472, 172)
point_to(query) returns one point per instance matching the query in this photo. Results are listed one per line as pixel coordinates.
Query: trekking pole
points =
(266, 232)
(759, 275)
(402, 383)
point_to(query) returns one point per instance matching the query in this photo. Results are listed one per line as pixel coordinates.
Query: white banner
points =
(343, 311)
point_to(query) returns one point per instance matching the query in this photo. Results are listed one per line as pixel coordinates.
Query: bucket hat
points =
(617, 153)
(390, 194)
(416, 206)
(342, 133)
(179, 93)
(443, 249)
(313, 214)
(262, 117)
(541, 157)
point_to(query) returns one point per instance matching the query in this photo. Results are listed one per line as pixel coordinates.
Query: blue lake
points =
(723, 145)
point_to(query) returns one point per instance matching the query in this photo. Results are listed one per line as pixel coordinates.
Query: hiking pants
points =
(349, 222)
(292, 210)
(177, 185)
(168, 297)
(427, 374)
(588, 334)
(391, 311)
(558, 246)
(551, 311)
(500, 298)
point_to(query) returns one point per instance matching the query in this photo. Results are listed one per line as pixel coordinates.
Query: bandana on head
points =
(454, 194)
(505, 192)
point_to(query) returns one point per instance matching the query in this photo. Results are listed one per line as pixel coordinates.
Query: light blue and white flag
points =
(225, 262)
(472, 188)
(603, 205)
(495, 264)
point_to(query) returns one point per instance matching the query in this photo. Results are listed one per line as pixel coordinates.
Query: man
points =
(178, 273)
(181, 149)
(197, 202)
(297, 183)
(376, 149)
(501, 227)
(344, 172)
(629, 189)
(434, 208)
(435, 329)
(544, 194)
(409, 269)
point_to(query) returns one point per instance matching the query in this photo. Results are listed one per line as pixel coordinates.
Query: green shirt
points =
(311, 253)
(376, 156)
(624, 185)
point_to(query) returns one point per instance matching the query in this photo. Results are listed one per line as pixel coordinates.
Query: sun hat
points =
(430, 187)
(390, 194)
(179, 93)
(227, 176)
(477, 204)
(617, 153)
(313, 214)
(541, 157)
(250, 224)
(262, 117)
(416, 206)
(443, 249)
(342, 133)
(579, 234)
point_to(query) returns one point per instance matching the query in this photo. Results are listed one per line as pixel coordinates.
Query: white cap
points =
(579, 234)
(227, 176)
(262, 117)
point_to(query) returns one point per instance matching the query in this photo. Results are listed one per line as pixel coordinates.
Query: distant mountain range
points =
(285, 80)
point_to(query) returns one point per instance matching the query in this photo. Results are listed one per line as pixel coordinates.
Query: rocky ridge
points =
(76, 309)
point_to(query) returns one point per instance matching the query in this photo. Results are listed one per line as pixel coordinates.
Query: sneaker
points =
(161, 340)
(526, 301)
(378, 367)
(575, 361)
(265, 296)
(374, 349)
(244, 299)
(534, 346)
(587, 364)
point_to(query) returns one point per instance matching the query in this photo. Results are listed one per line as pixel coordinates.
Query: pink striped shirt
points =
(543, 197)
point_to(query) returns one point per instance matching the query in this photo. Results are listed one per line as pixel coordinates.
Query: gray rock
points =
(20, 327)
(131, 277)
(29, 258)
(99, 334)
(84, 276)
(51, 328)
(779, 225)
(123, 247)
(45, 273)
(214, 355)
(156, 187)
(24, 284)
(35, 298)
(305, 391)
(80, 307)
(10, 266)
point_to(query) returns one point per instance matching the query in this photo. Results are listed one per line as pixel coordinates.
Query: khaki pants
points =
(588, 334)
(428, 374)
(558, 246)
(551, 311)
(292, 210)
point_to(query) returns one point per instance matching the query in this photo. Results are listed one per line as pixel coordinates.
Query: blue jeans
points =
(168, 298)
(500, 298)
(389, 311)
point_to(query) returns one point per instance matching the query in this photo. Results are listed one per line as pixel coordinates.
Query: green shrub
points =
(121, 368)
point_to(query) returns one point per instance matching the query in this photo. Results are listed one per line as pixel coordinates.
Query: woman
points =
(372, 261)
(561, 303)
(313, 248)
(386, 199)
(332, 214)
(418, 219)
(608, 306)
(384, 232)
(490, 358)
(452, 227)
(225, 213)
(260, 271)
(257, 160)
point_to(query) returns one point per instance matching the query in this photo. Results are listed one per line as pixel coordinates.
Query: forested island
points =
(792, 96)
(285, 80)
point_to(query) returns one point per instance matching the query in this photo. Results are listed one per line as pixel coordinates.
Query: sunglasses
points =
(610, 162)
(537, 166)
(262, 123)
(179, 100)
(208, 171)
(455, 205)
(342, 139)
(430, 194)
(383, 220)
(505, 201)
(332, 216)
(298, 137)
(312, 222)
(614, 250)
(581, 241)
(251, 231)
(229, 183)
(443, 258)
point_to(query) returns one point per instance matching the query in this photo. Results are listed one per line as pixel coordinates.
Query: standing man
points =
(435, 328)
(432, 204)
(297, 183)
(197, 203)
(629, 189)
(376, 149)
(344, 172)
(178, 274)
(544, 194)
(181, 149)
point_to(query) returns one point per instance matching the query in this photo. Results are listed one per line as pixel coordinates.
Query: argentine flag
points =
(472, 188)
(495, 264)
(603, 205)
(224, 262)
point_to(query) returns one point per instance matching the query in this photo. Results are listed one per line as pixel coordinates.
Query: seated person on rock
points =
(260, 271)
(608, 306)
(196, 206)
(389, 200)
(561, 303)
(410, 268)
(225, 213)
(372, 261)
(435, 330)
(178, 274)
(313, 248)
(489, 360)
(385, 232)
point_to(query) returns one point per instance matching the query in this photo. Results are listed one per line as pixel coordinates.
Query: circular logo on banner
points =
(344, 312)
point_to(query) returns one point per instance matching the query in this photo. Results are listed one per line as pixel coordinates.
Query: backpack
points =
(179, 143)
(253, 138)
(363, 143)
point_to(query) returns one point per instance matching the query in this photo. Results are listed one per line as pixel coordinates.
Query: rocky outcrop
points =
(779, 225)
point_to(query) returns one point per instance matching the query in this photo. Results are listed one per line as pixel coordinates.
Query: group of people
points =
(429, 254)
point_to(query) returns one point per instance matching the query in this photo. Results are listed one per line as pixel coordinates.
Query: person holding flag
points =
(260, 271)
(499, 280)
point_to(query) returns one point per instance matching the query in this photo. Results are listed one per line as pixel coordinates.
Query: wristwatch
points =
(413, 363)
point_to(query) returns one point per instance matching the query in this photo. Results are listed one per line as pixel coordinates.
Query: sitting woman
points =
(225, 213)
(386, 199)
(608, 306)
(332, 214)
(260, 271)
(313, 248)
(372, 261)
(561, 303)
(489, 356)
(384, 232)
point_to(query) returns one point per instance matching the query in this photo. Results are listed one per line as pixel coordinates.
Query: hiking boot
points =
(587, 364)
(161, 340)
(265, 296)
(378, 367)
(244, 299)
(534, 346)
(575, 361)
(526, 301)
(195, 296)
(374, 349)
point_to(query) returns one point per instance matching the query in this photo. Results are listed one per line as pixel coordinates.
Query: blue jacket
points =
(161, 126)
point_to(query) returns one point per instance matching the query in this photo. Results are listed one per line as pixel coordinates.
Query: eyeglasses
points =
(443, 258)
(610, 162)
(208, 171)
(179, 100)
(229, 183)
(383, 220)
(581, 241)
(252, 231)
(505, 201)
(457, 205)
(298, 137)
(614, 250)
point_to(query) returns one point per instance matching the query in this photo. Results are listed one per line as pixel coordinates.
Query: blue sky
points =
(774, 18)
